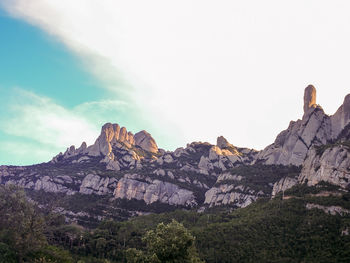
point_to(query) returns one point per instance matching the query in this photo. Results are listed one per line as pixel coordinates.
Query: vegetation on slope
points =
(266, 231)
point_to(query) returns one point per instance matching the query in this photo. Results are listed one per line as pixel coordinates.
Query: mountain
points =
(123, 175)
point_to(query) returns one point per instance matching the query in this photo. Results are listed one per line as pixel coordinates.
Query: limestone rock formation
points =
(341, 118)
(110, 135)
(146, 142)
(154, 191)
(309, 98)
(94, 184)
(292, 145)
(315, 128)
(283, 184)
(120, 165)
(332, 166)
(222, 143)
(70, 152)
(228, 194)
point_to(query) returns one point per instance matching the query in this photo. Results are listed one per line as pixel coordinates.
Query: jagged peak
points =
(222, 142)
(113, 133)
(346, 106)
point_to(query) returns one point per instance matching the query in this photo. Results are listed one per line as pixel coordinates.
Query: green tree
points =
(171, 243)
(21, 227)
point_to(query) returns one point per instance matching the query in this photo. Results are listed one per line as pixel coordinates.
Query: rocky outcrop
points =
(120, 165)
(315, 128)
(71, 152)
(152, 191)
(115, 147)
(110, 135)
(146, 142)
(224, 156)
(332, 166)
(229, 195)
(283, 184)
(332, 210)
(33, 181)
(341, 118)
(309, 98)
(94, 184)
(291, 146)
(222, 143)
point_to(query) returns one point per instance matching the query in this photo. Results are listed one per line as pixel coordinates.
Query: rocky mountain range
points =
(123, 175)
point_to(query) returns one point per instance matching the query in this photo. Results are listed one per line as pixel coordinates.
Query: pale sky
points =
(191, 70)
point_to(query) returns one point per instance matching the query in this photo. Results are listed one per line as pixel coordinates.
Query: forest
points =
(269, 230)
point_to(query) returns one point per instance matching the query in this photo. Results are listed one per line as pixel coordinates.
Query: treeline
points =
(266, 231)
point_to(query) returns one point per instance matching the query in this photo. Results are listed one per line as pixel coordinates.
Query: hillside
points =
(305, 224)
(286, 203)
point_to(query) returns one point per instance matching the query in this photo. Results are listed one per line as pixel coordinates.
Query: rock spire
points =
(309, 98)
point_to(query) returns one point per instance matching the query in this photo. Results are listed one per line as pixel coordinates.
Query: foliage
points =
(7, 254)
(170, 243)
(266, 231)
(259, 177)
(21, 227)
(301, 190)
(322, 148)
(52, 254)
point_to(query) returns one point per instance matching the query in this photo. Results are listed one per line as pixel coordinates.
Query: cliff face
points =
(122, 169)
(315, 128)
(134, 176)
(329, 163)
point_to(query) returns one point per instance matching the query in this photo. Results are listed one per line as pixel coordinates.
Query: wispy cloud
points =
(22, 152)
(45, 128)
(196, 69)
(41, 119)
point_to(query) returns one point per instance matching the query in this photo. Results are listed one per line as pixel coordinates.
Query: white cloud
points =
(37, 128)
(41, 119)
(198, 69)
(24, 152)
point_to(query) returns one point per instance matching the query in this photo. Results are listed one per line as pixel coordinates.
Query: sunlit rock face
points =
(110, 135)
(146, 142)
(222, 143)
(309, 98)
(115, 146)
(315, 128)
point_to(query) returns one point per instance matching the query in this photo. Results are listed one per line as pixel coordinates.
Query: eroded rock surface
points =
(332, 166)
(154, 191)
(120, 165)
(315, 128)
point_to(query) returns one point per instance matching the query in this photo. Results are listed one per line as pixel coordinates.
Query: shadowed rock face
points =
(341, 118)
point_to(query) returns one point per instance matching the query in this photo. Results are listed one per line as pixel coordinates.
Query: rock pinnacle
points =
(309, 98)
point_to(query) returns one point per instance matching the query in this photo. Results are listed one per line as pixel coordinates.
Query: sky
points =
(185, 70)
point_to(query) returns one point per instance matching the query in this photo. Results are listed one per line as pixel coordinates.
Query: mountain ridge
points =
(123, 166)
